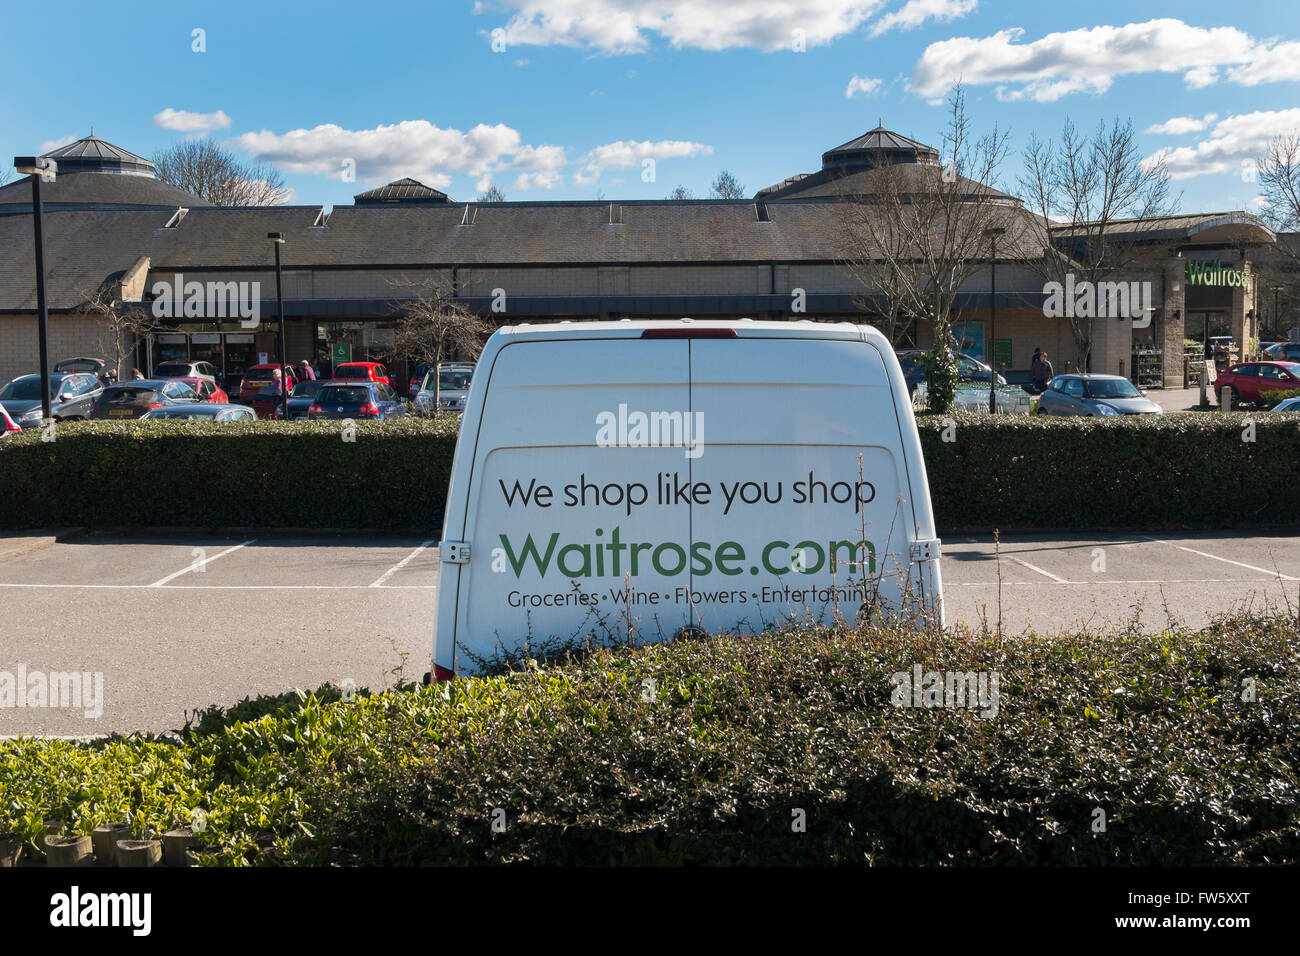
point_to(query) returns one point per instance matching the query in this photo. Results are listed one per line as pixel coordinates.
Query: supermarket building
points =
(108, 220)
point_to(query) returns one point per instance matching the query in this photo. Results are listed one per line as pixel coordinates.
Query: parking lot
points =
(175, 623)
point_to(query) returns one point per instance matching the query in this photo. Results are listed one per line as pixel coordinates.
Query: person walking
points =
(1040, 371)
(308, 373)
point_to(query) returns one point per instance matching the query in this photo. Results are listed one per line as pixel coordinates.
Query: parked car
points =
(417, 378)
(179, 369)
(1289, 405)
(1255, 381)
(1097, 395)
(206, 389)
(71, 397)
(267, 404)
(202, 411)
(258, 377)
(453, 381)
(95, 366)
(136, 399)
(356, 400)
(361, 371)
(1283, 352)
(969, 368)
(7, 425)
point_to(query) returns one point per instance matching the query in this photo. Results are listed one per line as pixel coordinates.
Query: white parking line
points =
(199, 565)
(1046, 574)
(399, 565)
(231, 587)
(1274, 574)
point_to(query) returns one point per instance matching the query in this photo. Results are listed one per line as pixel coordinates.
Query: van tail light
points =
(686, 332)
(369, 408)
(441, 674)
(315, 409)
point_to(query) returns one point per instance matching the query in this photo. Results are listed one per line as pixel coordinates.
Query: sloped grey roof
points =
(90, 190)
(94, 154)
(880, 145)
(401, 190)
(838, 182)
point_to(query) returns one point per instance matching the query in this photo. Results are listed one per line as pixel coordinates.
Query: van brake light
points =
(441, 673)
(678, 332)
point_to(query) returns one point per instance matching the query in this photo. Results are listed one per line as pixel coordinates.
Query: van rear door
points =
(810, 515)
(571, 510)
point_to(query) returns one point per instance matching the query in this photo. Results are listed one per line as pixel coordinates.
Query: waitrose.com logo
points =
(611, 556)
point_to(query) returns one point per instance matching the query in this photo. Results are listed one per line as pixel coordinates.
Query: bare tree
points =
(1279, 183)
(915, 233)
(122, 325)
(204, 168)
(6, 174)
(492, 194)
(727, 186)
(433, 325)
(681, 192)
(1082, 191)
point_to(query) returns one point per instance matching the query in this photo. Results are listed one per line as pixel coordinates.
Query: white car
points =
(651, 480)
(453, 383)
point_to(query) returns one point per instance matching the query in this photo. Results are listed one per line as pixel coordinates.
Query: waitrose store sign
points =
(1214, 273)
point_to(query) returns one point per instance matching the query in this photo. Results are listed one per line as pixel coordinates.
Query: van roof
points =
(746, 328)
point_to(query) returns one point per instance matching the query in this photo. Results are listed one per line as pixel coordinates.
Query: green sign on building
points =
(1213, 272)
(342, 352)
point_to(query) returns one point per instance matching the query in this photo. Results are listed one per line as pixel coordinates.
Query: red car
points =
(206, 388)
(1258, 381)
(361, 371)
(7, 425)
(257, 377)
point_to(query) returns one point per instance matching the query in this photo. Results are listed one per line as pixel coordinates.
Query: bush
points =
(1150, 471)
(701, 752)
(206, 475)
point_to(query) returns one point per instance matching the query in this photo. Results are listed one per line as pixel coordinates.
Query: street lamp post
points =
(993, 234)
(40, 168)
(1277, 320)
(277, 238)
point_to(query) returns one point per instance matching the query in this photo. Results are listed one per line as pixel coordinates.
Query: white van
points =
(648, 480)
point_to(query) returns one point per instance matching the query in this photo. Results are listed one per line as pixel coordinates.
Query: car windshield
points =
(352, 371)
(25, 389)
(305, 390)
(344, 395)
(172, 370)
(1112, 388)
(453, 381)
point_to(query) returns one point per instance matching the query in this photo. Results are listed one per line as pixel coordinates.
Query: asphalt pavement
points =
(172, 624)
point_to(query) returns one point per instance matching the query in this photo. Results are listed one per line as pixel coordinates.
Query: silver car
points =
(453, 381)
(1097, 395)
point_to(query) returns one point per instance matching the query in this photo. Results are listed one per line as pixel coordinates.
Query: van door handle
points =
(455, 552)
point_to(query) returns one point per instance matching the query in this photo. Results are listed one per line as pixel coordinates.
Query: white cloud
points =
(627, 153)
(414, 148)
(196, 124)
(52, 144)
(627, 26)
(1233, 145)
(866, 85)
(915, 12)
(1089, 59)
(1182, 125)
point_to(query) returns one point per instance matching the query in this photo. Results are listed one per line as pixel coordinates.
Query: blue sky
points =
(579, 93)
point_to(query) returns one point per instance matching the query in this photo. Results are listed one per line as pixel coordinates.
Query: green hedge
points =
(1184, 470)
(701, 752)
(193, 474)
(1007, 472)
